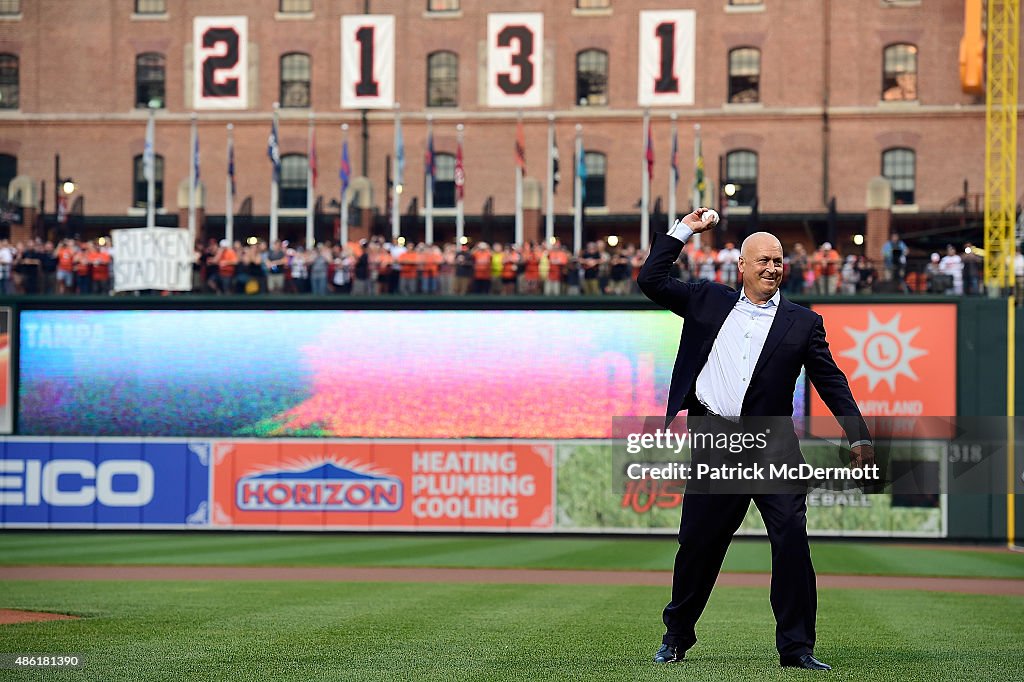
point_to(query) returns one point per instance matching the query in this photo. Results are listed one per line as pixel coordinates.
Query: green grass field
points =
(276, 549)
(176, 630)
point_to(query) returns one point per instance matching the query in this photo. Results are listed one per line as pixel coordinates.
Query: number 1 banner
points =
(667, 57)
(220, 69)
(515, 64)
(368, 61)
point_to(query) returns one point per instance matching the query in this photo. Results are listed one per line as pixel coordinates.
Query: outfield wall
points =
(365, 376)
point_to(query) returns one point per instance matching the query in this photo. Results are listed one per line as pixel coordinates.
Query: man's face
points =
(761, 267)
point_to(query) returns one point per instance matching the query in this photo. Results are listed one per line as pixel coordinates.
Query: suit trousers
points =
(706, 528)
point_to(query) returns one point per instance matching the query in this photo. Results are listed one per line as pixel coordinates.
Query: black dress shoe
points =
(805, 661)
(669, 653)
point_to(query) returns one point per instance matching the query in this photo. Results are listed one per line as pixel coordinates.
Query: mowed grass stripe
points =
(338, 631)
(599, 553)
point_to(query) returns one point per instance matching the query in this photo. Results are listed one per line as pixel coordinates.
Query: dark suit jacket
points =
(796, 338)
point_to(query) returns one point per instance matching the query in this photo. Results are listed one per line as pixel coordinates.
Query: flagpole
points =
(645, 195)
(673, 178)
(428, 227)
(149, 165)
(577, 217)
(519, 190)
(549, 220)
(460, 211)
(698, 165)
(194, 140)
(343, 228)
(310, 189)
(396, 186)
(229, 192)
(273, 185)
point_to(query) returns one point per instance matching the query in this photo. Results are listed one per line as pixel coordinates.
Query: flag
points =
(345, 170)
(428, 159)
(698, 175)
(675, 157)
(460, 174)
(399, 152)
(650, 153)
(274, 151)
(195, 158)
(148, 160)
(231, 163)
(555, 176)
(521, 147)
(312, 156)
(581, 172)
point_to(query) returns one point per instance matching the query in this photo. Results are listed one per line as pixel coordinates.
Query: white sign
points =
(515, 59)
(152, 258)
(220, 62)
(368, 61)
(667, 57)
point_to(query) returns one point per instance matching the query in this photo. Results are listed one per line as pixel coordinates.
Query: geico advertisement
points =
(83, 483)
(383, 484)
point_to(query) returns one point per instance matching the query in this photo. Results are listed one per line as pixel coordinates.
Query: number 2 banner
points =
(220, 62)
(515, 51)
(667, 58)
(368, 61)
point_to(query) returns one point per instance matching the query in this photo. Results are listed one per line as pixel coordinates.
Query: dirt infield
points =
(11, 616)
(994, 586)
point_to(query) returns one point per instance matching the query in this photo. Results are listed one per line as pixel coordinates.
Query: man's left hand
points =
(863, 456)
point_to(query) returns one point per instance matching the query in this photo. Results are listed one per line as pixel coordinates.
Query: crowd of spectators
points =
(378, 267)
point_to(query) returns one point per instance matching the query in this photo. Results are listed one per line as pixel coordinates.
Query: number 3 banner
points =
(667, 49)
(220, 69)
(368, 61)
(515, 50)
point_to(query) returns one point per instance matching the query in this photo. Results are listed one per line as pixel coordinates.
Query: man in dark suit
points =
(739, 357)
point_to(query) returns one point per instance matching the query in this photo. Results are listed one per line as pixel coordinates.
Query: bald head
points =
(758, 241)
(761, 266)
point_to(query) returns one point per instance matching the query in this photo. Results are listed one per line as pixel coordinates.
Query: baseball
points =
(710, 216)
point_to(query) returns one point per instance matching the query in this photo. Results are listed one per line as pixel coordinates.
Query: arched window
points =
(744, 75)
(596, 165)
(141, 186)
(740, 182)
(293, 181)
(899, 73)
(444, 181)
(150, 80)
(8, 81)
(295, 70)
(443, 79)
(592, 78)
(899, 168)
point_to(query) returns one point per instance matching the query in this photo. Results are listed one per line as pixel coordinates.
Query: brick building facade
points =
(812, 98)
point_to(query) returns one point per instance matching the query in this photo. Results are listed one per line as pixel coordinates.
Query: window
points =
(8, 171)
(596, 164)
(150, 6)
(444, 181)
(744, 75)
(593, 4)
(141, 185)
(10, 6)
(150, 75)
(295, 80)
(736, 3)
(740, 184)
(297, 6)
(592, 78)
(898, 168)
(442, 5)
(8, 81)
(899, 73)
(443, 79)
(294, 168)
